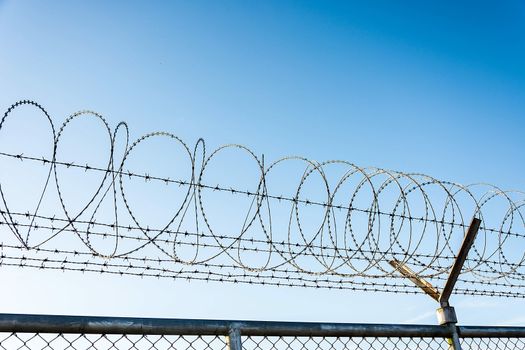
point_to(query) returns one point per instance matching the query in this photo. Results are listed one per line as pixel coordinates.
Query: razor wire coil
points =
(367, 216)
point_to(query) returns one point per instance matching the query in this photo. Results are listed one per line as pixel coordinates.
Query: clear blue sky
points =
(435, 87)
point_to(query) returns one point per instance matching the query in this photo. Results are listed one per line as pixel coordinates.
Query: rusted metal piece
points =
(428, 288)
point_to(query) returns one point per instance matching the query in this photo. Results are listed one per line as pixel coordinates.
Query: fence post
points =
(446, 314)
(456, 345)
(447, 318)
(233, 339)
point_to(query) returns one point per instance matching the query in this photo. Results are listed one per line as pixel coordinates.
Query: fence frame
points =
(234, 329)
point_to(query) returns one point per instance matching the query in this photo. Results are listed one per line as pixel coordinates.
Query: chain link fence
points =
(55, 341)
(493, 343)
(62, 341)
(39, 332)
(342, 343)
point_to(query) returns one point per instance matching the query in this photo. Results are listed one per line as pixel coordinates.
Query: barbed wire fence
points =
(329, 224)
(365, 218)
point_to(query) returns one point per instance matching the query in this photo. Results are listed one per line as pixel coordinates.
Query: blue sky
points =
(435, 87)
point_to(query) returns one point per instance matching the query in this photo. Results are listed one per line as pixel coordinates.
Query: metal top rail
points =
(23, 323)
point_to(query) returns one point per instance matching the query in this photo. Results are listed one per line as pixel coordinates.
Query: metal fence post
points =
(447, 318)
(446, 314)
(233, 339)
(456, 345)
(453, 343)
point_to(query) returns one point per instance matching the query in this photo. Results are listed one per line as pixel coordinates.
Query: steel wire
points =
(365, 217)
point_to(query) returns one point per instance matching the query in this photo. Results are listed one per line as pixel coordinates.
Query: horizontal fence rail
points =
(80, 332)
(126, 325)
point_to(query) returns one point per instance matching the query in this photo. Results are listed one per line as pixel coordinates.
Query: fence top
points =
(131, 325)
(25, 323)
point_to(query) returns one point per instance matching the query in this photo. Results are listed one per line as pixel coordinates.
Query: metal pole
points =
(20, 323)
(454, 343)
(447, 318)
(446, 314)
(233, 339)
(468, 240)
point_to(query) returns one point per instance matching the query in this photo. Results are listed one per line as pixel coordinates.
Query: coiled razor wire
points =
(333, 229)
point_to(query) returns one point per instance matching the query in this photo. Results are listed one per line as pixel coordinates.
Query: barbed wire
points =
(105, 234)
(339, 226)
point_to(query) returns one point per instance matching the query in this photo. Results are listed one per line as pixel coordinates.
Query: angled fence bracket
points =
(426, 286)
(446, 314)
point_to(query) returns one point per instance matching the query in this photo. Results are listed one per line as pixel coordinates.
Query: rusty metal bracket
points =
(443, 296)
(426, 286)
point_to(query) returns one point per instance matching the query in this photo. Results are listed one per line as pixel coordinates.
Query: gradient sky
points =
(436, 87)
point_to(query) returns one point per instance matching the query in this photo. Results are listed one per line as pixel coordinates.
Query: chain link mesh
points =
(48, 341)
(342, 343)
(493, 343)
(54, 341)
